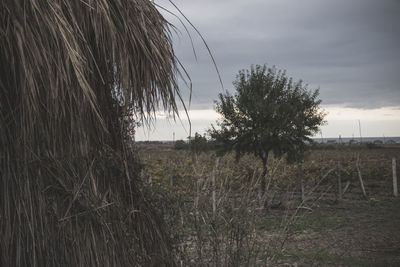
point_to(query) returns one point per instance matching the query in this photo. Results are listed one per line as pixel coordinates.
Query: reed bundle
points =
(73, 77)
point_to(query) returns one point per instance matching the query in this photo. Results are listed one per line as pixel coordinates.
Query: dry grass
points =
(72, 73)
(320, 230)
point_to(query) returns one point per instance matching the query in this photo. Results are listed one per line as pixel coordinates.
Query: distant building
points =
(390, 142)
(378, 142)
(331, 141)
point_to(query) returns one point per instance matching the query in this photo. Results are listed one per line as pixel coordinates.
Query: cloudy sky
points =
(348, 49)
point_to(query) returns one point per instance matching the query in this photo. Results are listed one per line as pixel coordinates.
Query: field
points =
(217, 217)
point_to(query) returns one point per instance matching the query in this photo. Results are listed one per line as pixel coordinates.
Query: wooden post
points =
(197, 197)
(214, 197)
(171, 177)
(360, 177)
(395, 189)
(150, 180)
(284, 170)
(339, 182)
(300, 173)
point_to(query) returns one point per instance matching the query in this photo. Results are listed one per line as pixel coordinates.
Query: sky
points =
(347, 49)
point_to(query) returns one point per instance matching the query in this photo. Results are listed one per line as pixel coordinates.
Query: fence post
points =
(284, 170)
(395, 190)
(150, 180)
(214, 198)
(300, 173)
(171, 177)
(339, 181)
(360, 177)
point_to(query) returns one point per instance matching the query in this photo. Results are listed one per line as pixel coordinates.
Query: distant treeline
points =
(196, 144)
(199, 143)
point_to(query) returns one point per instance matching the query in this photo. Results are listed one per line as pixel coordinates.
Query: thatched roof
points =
(70, 73)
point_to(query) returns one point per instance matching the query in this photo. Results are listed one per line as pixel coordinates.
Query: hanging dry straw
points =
(72, 75)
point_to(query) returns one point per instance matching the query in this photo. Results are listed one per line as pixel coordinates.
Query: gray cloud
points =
(350, 49)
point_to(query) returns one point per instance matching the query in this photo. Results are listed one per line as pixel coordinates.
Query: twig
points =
(84, 212)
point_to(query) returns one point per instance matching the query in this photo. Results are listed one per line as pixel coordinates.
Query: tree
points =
(198, 143)
(268, 113)
(180, 145)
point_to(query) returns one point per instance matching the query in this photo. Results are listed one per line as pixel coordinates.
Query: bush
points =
(180, 145)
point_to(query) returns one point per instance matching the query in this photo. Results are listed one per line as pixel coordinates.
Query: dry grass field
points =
(217, 217)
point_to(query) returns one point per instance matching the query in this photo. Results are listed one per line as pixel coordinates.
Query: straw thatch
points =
(72, 73)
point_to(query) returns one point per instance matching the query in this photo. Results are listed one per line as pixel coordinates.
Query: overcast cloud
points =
(350, 49)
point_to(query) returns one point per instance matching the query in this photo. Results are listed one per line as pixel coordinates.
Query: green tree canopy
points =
(198, 143)
(268, 112)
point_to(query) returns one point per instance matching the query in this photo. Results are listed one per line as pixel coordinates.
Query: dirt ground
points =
(349, 233)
